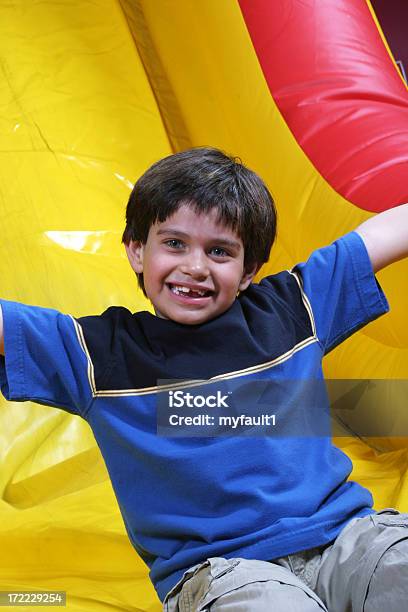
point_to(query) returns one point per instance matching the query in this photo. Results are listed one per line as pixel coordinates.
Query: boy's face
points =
(192, 267)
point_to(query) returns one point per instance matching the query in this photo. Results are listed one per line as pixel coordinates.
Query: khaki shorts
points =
(364, 570)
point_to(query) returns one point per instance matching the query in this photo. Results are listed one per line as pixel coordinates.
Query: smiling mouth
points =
(187, 292)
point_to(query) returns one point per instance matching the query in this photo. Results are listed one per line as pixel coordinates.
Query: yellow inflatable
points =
(93, 93)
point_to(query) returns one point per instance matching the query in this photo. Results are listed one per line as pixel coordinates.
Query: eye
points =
(219, 251)
(174, 243)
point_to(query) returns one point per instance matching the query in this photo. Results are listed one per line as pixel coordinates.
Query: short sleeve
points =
(341, 290)
(44, 359)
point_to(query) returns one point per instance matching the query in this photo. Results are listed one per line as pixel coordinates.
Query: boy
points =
(230, 522)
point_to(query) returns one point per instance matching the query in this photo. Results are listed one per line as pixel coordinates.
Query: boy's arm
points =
(46, 361)
(1, 333)
(385, 236)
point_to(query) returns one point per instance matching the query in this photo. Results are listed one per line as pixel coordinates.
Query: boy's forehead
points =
(186, 221)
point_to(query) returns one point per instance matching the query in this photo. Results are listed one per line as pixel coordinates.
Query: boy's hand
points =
(386, 236)
(1, 333)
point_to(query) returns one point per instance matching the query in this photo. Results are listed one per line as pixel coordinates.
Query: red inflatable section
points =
(339, 91)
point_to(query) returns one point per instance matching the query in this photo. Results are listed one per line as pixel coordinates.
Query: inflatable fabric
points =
(307, 94)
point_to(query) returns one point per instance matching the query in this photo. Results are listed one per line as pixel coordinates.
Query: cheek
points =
(230, 284)
(156, 271)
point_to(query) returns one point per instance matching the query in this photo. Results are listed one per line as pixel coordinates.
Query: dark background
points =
(393, 18)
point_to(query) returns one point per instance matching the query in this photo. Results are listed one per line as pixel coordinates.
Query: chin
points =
(193, 320)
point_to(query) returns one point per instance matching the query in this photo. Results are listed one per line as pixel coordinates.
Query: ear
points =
(135, 251)
(247, 277)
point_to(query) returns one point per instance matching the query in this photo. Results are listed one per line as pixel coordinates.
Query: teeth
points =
(181, 289)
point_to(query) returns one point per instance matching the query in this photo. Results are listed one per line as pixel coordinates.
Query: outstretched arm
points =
(386, 236)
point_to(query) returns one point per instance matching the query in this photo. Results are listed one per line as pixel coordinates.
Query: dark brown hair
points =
(205, 178)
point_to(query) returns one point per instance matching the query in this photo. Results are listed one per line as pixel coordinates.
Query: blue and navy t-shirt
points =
(184, 499)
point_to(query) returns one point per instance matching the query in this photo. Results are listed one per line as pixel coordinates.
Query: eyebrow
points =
(224, 241)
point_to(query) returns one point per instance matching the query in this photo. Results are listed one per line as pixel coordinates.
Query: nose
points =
(195, 265)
